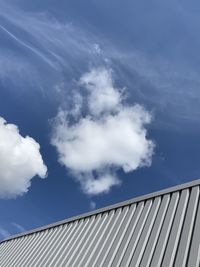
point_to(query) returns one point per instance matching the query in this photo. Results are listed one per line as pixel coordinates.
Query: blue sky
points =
(109, 90)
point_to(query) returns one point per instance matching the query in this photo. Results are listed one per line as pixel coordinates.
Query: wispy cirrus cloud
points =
(37, 45)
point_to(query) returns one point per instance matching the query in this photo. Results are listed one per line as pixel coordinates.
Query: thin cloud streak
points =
(19, 227)
(27, 46)
(55, 40)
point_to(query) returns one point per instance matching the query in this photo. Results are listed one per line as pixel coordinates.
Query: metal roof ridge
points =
(107, 208)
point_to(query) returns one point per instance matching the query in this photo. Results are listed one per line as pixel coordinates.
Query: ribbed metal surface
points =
(158, 230)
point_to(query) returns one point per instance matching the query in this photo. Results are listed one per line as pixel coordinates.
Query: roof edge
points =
(107, 208)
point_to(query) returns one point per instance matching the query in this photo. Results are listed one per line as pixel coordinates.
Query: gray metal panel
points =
(115, 238)
(106, 238)
(176, 230)
(48, 245)
(135, 236)
(194, 256)
(136, 258)
(147, 256)
(34, 247)
(90, 242)
(121, 204)
(127, 236)
(77, 258)
(154, 230)
(71, 247)
(62, 244)
(99, 237)
(162, 241)
(77, 235)
(182, 253)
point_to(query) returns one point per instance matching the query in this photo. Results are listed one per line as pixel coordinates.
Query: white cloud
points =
(103, 97)
(77, 105)
(102, 184)
(20, 161)
(112, 135)
(91, 144)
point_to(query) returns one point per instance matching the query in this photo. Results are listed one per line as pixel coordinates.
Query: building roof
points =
(159, 229)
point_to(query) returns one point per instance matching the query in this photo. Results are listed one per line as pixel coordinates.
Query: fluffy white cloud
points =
(111, 136)
(102, 184)
(103, 97)
(118, 140)
(20, 161)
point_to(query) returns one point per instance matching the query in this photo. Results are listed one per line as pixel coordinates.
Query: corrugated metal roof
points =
(160, 229)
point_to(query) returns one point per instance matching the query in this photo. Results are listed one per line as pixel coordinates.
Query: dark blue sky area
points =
(153, 51)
